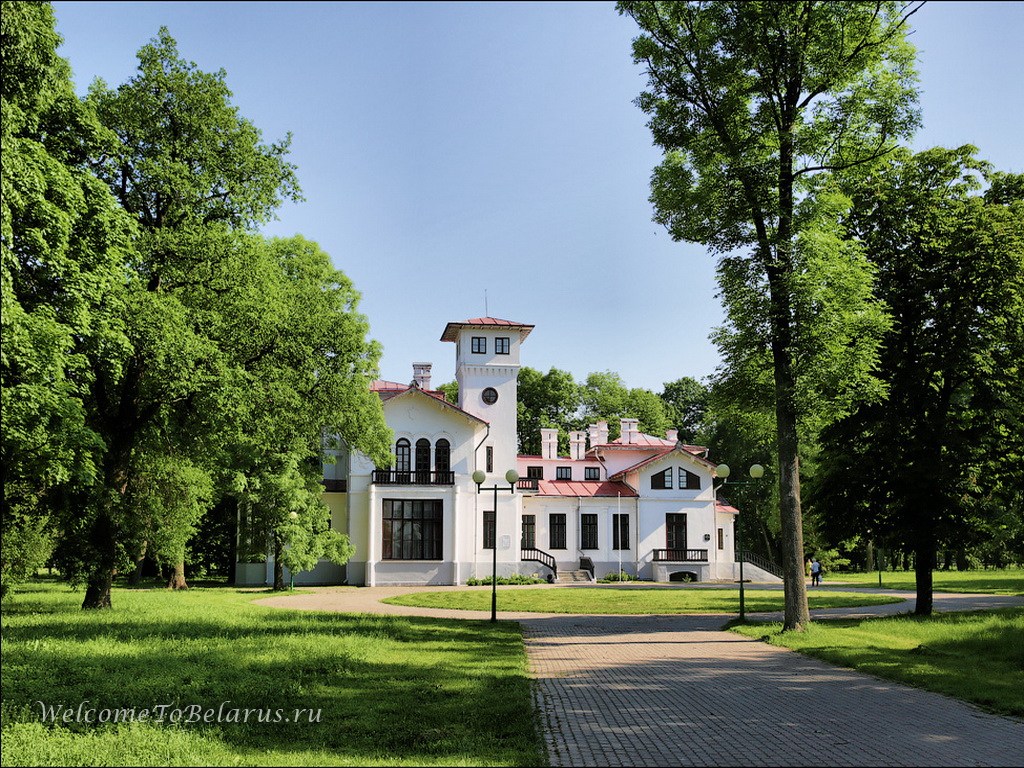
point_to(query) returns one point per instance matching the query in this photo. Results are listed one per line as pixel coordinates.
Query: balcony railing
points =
(335, 486)
(528, 484)
(680, 555)
(414, 477)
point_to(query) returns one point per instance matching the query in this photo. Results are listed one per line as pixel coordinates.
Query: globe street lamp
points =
(511, 477)
(756, 472)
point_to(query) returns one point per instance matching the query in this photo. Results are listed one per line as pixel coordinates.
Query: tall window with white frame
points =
(620, 531)
(588, 531)
(529, 538)
(556, 530)
(412, 529)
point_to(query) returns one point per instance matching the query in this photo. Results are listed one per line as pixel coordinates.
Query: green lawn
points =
(629, 600)
(1005, 581)
(976, 657)
(389, 690)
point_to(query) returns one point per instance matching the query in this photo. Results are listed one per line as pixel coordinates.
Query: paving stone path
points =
(679, 691)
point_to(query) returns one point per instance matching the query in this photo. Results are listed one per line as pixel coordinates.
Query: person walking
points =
(815, 572)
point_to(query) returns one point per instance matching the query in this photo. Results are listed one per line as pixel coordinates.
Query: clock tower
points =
(487, 370)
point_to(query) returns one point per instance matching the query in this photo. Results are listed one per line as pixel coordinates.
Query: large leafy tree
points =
(686, 404)
(750, 101)
(306, 370)
(606, 397)
(937, 464)
(62, 241)
(237, 353)
(549, 400)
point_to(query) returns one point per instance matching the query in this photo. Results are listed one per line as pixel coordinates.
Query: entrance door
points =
(675, 531)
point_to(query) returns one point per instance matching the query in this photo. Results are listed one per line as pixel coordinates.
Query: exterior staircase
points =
(574, 577)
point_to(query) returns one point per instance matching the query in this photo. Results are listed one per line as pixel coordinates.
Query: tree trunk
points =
(97, 592)
(779, 269)
(278, 566)
(925, 559)
(177, 579)
(962, 563)
(102, 542)
(135, 578)
(869, 559)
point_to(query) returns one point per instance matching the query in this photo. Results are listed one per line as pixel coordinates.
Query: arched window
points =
(423, 460)
(442, 457)
(403, 455)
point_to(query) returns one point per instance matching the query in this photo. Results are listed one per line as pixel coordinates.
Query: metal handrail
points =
(586, 564)
(761, 562)
(542, 557)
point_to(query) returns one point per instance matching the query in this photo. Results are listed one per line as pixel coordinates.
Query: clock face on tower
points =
(490, 395)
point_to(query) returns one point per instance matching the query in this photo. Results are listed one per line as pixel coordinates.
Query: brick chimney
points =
(577, 445)
(549, 443)
(421, 375)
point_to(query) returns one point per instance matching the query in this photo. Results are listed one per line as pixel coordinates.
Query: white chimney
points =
(577, 445)
(421, 375)
(598, 433)
(673, 435)
(549, 443)
(628, 430)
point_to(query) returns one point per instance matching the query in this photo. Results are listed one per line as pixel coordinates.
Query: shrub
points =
(515, 578)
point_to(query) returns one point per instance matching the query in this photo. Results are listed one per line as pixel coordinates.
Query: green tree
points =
(546, 401)
(239, 353)
(451, 391)
(607, 398)
(939, 462)
(686, 403)
(306, 371)
(750, 102)
(62, 240)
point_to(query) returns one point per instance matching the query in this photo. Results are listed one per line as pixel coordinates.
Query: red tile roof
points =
(644, 441)
(585, 488)
(722, 506)
(661, 455)
(451, 330)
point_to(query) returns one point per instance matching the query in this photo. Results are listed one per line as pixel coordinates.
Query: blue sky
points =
(449, 151)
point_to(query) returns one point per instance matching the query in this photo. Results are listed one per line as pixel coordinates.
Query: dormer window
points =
(688, 480)
(563, 473)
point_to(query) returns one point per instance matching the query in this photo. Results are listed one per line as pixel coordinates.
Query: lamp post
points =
(511, 478)
(756, 472)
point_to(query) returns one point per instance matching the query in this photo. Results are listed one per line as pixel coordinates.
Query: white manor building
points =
(641, 503)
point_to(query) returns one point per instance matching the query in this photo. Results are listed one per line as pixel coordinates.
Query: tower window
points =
(479, 345)
(502, 345)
